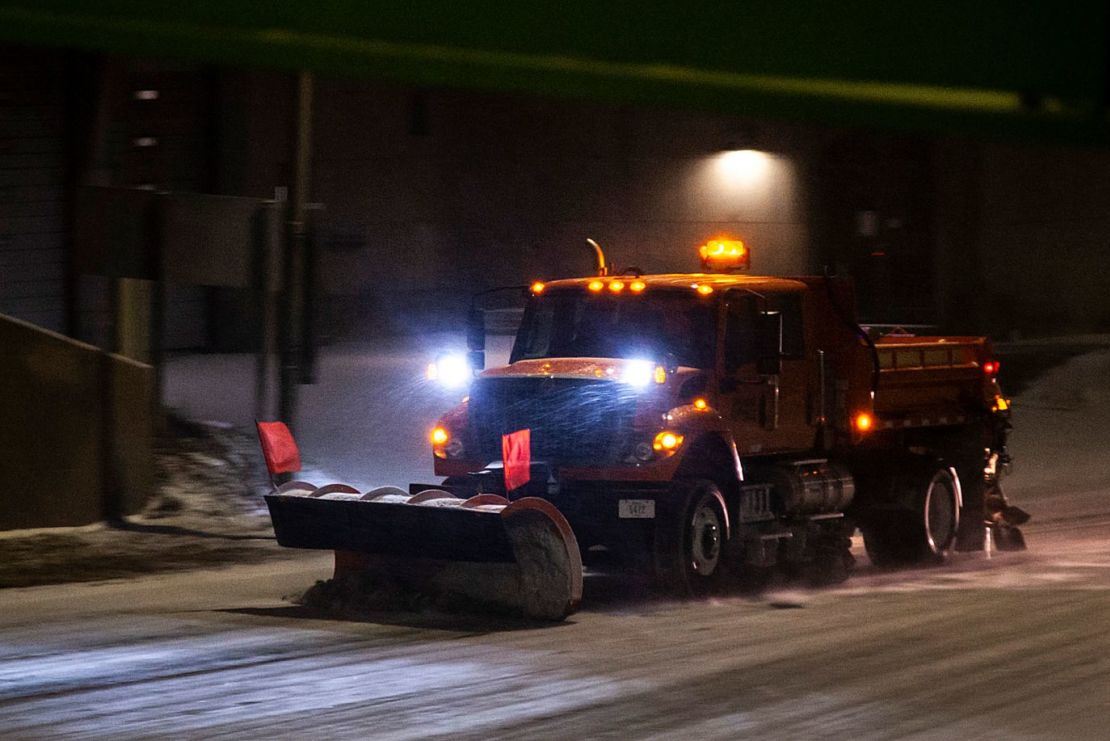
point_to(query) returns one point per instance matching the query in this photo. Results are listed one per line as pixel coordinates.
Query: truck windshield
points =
(576, 324)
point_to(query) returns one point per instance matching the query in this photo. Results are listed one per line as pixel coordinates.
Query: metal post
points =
(292, 323)
(156, 328)
(264, 282)
(823, 414)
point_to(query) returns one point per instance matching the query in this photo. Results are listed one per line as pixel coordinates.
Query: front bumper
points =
(619, 515)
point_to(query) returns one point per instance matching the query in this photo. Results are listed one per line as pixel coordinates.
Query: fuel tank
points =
(810, 487)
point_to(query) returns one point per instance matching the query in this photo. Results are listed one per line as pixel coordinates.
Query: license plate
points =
(637, 509)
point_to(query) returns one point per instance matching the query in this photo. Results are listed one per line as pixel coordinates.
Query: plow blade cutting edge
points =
(520, 556)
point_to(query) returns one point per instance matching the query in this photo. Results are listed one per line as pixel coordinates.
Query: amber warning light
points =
(724, 255)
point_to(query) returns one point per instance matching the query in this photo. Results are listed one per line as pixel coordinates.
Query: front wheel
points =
(690, 539)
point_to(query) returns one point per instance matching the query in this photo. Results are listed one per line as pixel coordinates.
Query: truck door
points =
(762, 423)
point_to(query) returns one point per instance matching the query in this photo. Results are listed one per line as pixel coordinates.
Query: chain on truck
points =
(703, 428)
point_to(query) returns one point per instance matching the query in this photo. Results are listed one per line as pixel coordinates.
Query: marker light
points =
(616, 286)
(595, 285)
(724, 255)
(703, 289)
(667, 441)
(637, 286)
(659, 375)
(863, 422)
(991, 367)
(701, 404)
(439, 436)
(537, 288)
(450, 371)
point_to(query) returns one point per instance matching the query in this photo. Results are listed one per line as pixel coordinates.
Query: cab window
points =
(740, 321)
(793, 331)
(740, 343)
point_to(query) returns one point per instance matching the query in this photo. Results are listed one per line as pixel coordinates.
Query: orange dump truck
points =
(706, 427)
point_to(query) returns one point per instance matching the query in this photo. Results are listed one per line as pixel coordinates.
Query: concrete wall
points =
(430, 195)
(1045, 239)
(60, 420)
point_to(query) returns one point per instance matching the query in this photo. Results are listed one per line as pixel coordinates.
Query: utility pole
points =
(292, 317)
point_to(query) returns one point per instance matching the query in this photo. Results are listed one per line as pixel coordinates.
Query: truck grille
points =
(572, 420)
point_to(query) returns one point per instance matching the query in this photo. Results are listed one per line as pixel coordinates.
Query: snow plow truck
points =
(705, 428)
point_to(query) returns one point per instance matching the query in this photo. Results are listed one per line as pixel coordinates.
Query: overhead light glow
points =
(743, 165)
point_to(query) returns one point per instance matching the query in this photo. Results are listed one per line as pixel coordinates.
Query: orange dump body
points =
(932, 381)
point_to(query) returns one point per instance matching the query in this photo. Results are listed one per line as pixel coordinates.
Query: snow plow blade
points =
(521, 557)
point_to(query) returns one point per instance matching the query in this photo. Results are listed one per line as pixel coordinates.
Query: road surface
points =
(1017, 646)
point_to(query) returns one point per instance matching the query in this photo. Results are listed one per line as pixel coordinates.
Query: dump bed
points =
(931, 381)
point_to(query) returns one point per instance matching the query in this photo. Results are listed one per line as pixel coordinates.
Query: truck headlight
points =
(641, 373)
(450, 370)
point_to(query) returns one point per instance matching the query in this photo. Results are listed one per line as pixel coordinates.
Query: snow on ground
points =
(365, 422)
(1061, 440)
(206, 510)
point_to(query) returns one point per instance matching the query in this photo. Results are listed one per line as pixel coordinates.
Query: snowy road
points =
(1016, 646)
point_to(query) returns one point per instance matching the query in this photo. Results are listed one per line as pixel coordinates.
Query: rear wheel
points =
(940, 511)
(923, 530)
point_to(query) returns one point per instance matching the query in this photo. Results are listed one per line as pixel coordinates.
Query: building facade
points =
(429, 194)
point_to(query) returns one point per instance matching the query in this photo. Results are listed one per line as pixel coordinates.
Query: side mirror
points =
(476, 359)
(476, 332)
(768, 340)
(670, 363)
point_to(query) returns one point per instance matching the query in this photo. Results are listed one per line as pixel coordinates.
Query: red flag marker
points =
(279, 448)
(516, 453)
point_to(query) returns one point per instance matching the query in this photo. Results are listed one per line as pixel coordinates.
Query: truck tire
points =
(940, 514)
(972, 533)
(832, 559)
(922, 532)
(690, 539)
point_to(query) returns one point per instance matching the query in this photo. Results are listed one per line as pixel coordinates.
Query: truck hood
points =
(611, 368)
